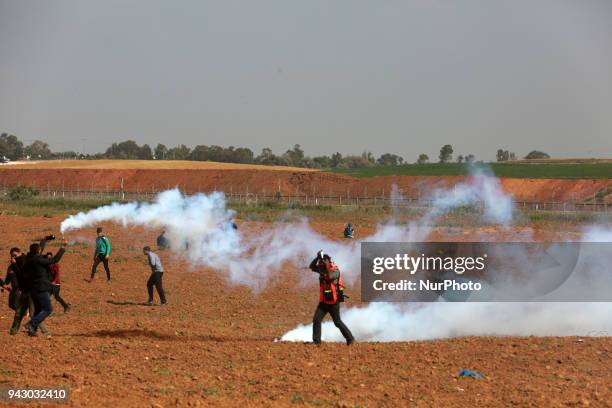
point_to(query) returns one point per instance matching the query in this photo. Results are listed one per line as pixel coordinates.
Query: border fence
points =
(380, 201)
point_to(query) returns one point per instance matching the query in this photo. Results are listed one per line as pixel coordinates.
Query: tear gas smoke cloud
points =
(403, 322)
(395, 322)
(202, 223)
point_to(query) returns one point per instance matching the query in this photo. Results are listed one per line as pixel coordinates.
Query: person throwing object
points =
(330, 295)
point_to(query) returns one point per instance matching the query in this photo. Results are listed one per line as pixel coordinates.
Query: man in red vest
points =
(330, 296)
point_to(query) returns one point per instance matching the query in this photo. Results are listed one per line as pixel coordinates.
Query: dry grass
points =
(143, 164)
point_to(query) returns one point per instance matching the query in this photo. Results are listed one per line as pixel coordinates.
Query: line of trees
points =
(12, 148)
(292, 157)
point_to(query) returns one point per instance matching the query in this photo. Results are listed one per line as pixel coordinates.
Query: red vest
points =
(328, 290)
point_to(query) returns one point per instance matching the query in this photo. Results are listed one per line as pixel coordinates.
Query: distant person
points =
(56, 283)
(157, 273)
(101, 254)
(162, 241)
(330, 295)
(348, 231)
(38, 284)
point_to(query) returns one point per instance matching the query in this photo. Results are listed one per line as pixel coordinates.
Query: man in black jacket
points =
(22, 301)
(36, 282)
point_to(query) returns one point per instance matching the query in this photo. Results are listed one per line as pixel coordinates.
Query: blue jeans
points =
(42, 308)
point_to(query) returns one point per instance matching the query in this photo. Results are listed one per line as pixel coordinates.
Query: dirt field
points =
(213, 344)
(144, 165)
(203, 176)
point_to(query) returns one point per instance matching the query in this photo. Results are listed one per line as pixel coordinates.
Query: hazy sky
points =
(386, 76)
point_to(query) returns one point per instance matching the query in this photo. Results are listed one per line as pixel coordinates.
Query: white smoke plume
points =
(395, 322)
(203, 224)
(380, 321)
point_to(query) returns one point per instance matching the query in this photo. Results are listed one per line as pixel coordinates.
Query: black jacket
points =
(36, 273)
(11, 277)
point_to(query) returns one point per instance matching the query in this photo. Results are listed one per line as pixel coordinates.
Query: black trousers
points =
(55, 291)
(156, 280)
(13, 298)
(100, 258)
(334, 312)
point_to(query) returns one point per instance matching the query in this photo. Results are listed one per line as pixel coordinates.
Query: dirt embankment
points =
(287, 182)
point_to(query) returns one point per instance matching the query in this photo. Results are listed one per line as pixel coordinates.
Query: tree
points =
(145, 152)
(38, 150)
(423, 158)
(160, 151)
(266, 157)
(505, 155)
(336, 159)
(322, 162)
(124, 150)
(199, 153)
(389, 159)
(295, 156)
(469, 159)
(180, 152)
(243, 155)
(369, 157)
(536, 154)
(446, 153)
(460, 158)
(10, 146)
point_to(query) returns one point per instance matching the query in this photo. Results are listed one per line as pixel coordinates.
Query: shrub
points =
(22, 193)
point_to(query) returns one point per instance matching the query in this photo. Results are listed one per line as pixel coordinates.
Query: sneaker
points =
(67, 309)
(13, 331)
(350, 341)
(164, 302)
(31, 330)
(149, 303)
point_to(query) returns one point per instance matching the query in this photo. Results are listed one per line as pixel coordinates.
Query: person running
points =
(101, 254)
(38, 284)
(22, 301)
(330, 295)
(56, 283)
(157, 272)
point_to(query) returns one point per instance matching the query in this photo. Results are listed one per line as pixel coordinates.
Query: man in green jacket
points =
(101, 254)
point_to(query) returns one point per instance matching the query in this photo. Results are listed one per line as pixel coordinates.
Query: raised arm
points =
(58, 255)
(313, 265)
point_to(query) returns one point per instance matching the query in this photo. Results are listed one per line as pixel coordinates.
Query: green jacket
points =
(103, 245)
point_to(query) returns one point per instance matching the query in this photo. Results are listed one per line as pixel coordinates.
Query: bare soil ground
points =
(212, 345)
(141, 176)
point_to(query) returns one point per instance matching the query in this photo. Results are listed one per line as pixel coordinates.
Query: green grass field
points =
(514, 170)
